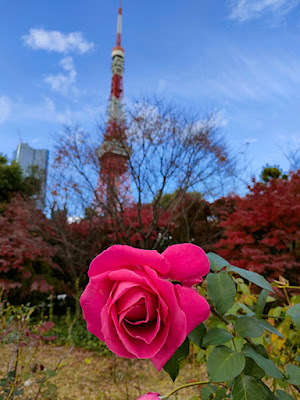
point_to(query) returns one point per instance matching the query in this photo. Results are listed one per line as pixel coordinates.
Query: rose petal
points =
(137, 278)
(149, 396)
(120, 256)
(112, 339)
(176, 318)
(174, 340)
(138, 281)
(93, 300)
(188, 262)
(137, 313)
(149, 303)
(145, 332)
(151, 306)
(127, 294)
(132, 345)
(193, 305)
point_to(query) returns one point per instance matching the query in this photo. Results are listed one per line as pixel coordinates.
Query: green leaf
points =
(216, 262)
(50, 373)
(172, 366)
(252, 369)
(221, 394)
(283, 395)
(261, 302)
(298, 359)
(208, 391)
(260, 349)
(221, 290)
(294, 313)
(248, 327)
(216, 336)
(266, 325)
(224, 364)
(246, 388)
(268, 395)
(246, 309)
(196, 336)
(267, 365)
(252, 277)
(293, 373)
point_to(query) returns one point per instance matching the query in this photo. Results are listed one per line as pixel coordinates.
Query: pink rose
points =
(149, 396)
(131, 305)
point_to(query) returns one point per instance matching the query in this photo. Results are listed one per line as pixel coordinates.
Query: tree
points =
(263, 233)
(168, 149)
(25, 256)
(293, 156)
(76, 242)
(269, 173)
(12, 180)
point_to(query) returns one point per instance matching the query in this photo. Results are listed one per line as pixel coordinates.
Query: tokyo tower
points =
(113, 189)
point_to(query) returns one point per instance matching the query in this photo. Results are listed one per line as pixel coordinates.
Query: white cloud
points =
(64, 83)
(40, 39)
(219, 119)
(47, 111)
(256, 77)
(243, 10)
(5, 108)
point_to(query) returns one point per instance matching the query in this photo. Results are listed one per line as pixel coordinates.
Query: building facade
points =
(33, 161)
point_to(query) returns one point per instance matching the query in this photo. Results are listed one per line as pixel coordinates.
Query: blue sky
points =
(238, 58)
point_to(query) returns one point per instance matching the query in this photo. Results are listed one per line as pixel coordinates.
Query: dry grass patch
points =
(84, 375)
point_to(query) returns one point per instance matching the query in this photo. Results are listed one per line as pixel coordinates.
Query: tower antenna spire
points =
(114, 153)
(119, 28)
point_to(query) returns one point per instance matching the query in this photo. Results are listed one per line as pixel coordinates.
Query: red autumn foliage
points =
(263, 233)
(25, 256)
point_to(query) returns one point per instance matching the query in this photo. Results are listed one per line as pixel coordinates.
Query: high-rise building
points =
(113, 184)
(34, 161)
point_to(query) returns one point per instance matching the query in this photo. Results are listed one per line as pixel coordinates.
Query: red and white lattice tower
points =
(114, 184)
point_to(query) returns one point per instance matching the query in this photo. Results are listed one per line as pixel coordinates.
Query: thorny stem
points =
(248, 340)
(289, 287)
(233, 342)
(183, 387)
(219, 315)
(294, 388)
(11, 393)
(285, 284)
(286, 295)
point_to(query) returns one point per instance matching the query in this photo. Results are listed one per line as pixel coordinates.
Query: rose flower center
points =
(137, 312)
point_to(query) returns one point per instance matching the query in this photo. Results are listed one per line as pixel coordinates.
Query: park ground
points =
(87, 375)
